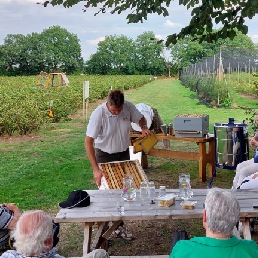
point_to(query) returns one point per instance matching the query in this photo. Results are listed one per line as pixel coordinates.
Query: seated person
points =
(9, 215)
(220, 215)
(33, 237)
(245, 168)
(250, 182)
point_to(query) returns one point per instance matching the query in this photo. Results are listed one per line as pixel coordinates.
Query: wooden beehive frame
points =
(115, 171)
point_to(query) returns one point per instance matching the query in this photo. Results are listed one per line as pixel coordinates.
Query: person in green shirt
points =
(220, 216)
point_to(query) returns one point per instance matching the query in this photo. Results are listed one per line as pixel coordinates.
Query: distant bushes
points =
(209, 90)
(25, 107)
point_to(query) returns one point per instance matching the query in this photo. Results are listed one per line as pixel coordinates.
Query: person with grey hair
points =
(33, 237)
(220, 216)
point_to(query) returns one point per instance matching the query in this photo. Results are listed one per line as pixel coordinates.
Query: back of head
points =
(32, 231)
(222, 211)
(116, 98)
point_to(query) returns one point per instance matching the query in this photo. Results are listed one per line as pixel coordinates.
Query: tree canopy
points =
(188, 51)
(114, 56)
(122, 55)
(230, 13)
(55, 48)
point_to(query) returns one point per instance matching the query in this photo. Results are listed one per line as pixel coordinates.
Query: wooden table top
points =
(103, 207)
(161, 136)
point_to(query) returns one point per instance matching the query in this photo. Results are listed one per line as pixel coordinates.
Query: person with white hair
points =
(220, 216)
(33, 236)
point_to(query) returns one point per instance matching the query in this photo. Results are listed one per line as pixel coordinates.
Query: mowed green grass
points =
(38, 171)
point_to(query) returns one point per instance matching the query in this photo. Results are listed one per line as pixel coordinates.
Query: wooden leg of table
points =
(99, 240)
(211, 157)
(111, 229)
(87, 237)
(246, 228)
(202, 161)
(144, 161)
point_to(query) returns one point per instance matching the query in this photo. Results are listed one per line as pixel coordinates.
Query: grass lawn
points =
(40, 170)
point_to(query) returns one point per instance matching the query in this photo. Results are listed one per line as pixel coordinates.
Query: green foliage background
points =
(40, 170)
(25, 106)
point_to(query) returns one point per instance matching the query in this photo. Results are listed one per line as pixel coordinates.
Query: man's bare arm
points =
(143, 124)
(16, 214)
(90, 152)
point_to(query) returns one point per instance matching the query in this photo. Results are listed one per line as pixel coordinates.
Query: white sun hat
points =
(148, 114)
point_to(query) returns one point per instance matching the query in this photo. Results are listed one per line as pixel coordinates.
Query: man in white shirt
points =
(109, 129)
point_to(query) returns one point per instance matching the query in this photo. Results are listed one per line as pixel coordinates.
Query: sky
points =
(25, 17)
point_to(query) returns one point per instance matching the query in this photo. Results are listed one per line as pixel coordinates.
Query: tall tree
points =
(30, 60)
(115, 55)
(149, 55)
(61, 50)
(11, 52)
(52, 49)
(230, 13)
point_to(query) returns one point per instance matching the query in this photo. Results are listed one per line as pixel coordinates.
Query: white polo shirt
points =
(111, 132)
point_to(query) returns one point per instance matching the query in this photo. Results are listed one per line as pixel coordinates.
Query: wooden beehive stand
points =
(115, 171)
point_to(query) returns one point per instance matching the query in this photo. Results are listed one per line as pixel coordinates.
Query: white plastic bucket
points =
(134, 156)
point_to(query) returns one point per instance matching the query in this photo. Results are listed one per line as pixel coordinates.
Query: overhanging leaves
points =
(231, 13)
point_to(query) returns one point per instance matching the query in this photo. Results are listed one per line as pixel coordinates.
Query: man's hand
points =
(16, 214)
(90, 151)
(146, 132)
(98, 173)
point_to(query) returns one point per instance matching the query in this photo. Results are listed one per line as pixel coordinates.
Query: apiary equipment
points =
(231, 144)
(115, 171)
(191, 125)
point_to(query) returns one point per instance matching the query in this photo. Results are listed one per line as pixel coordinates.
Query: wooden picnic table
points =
(204, 156)
(102, 211)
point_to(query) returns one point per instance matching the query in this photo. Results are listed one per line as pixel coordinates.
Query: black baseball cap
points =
(77, 198)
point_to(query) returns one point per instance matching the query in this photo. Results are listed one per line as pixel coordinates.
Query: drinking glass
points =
(144, 193)
(152, 194)
(185, 191)
(120, 205)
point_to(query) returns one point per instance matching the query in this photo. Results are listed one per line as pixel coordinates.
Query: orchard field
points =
(26, 107)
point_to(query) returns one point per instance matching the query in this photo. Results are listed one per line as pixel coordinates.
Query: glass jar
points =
(185, 191)
(162, 190)
(152, 194)
(129, 192)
